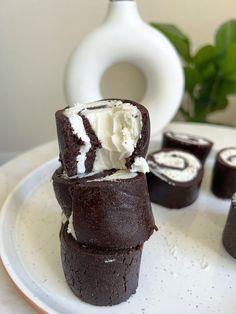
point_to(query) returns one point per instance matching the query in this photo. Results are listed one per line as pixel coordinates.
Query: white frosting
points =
(118, 127)
(234, 198)
(71, 229)
(179, 175)
(110, 260)
(187, 138)
(78, 129)
(226, 154)
(118, 175)
(140, 165)
(78, 176)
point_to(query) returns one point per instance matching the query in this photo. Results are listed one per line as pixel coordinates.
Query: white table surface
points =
(13, 171)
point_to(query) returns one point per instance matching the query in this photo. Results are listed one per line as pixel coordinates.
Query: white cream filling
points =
(187, 138)
(110, 260)
(178, 175)
(234, 199)
(140, 165)
(70, 228)
(118, 127)
(118, 175)
(227, 153)
(78, 129)
(78, 176)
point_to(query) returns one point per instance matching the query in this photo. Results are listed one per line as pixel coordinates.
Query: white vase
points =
(125, 37)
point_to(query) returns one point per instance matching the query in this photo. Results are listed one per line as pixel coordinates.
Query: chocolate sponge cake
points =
(229, 234)
(106, 134)
(107, 210)
(224, 173)
(196, 145)
(99, 277)
(64, 186)
(174, 179)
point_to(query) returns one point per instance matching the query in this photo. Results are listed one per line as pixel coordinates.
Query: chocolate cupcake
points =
(229, 234)
(103, 135)
(108, 210)
(174, 179)
(224, 173)
(196, 145)
(98, 276)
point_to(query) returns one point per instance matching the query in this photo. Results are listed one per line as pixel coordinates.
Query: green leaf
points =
(192, 78)
(207, 72)
(225, 88)
(225, 36)
(177, 38)
(210, 75)
(205, 62)
(212, 96)
(204, 55)
(228, 87)
(228, 63)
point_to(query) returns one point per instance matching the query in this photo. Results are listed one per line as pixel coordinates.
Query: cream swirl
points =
(174, 165)
(187, 138)
(228, 155)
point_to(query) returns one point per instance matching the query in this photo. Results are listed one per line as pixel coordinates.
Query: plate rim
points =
(27, 294)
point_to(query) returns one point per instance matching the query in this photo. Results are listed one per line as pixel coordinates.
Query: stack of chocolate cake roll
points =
(102, 190)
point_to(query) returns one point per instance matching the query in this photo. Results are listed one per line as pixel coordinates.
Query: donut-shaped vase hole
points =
(125, 80)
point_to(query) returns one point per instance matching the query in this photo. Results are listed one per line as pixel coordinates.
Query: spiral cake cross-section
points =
(175, 178)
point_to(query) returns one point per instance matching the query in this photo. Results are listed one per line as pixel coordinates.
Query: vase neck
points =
(122, 11)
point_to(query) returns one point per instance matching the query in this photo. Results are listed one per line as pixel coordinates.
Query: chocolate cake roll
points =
(229, 234)
(107, 210)
(99, 277)
(102, 189)
(224, 173)
(175, 178)
(64, 186)
(103, 135)
(196, 145)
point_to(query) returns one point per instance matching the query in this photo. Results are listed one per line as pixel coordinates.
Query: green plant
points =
(210, 73)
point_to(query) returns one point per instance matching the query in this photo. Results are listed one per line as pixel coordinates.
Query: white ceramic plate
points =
(184, 267)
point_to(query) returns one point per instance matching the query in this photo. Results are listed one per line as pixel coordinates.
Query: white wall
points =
(37, 37)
